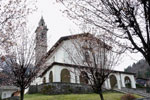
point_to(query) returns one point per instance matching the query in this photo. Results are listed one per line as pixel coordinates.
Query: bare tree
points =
(128, 20)
(94, 58)
(13, 14)
(22, 63)
(16, 44)
(13, 19)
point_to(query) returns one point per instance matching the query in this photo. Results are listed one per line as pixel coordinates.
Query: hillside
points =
(141, 68)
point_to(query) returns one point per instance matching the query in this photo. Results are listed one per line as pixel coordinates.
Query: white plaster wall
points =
(50, 60)
(107, 84)
(70, 51)
(118, 80)
(122, 80)
(7, 94)
(61, 55)
(58, 54)
(68, 47)
(26, 90)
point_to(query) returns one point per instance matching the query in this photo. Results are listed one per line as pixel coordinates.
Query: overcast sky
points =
(59, 25)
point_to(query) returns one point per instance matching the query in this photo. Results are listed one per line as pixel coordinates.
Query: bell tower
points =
(41, 40)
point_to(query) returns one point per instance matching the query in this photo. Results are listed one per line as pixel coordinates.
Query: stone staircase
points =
(134, 91)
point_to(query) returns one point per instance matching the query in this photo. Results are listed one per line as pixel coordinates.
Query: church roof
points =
(77, 66)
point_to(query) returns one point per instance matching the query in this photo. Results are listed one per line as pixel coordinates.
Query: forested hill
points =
(141, 68)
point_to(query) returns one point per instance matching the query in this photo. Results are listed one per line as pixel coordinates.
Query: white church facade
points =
(57, 65)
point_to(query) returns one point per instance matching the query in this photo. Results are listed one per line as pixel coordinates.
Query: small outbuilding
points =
(7, 89)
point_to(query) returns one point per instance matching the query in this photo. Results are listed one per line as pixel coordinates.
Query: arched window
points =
(127, 82)
(51, 77)
(65, 76)
(113, 81)
(83, 78)
(44, 80)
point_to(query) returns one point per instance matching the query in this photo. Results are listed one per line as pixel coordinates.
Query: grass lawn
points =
(107, 96)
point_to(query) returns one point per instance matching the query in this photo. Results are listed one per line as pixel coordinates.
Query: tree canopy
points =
(127, 20)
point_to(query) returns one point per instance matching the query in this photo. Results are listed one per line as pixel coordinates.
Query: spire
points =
(42, 22)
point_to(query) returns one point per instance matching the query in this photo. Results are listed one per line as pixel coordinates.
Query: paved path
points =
(134, 91)
(144, 98)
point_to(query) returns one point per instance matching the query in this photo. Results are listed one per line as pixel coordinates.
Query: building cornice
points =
(77, 66)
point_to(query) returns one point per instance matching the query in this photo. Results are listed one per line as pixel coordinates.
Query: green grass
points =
(107, 96)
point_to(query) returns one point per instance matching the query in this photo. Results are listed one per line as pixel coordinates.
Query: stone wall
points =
(60, 88)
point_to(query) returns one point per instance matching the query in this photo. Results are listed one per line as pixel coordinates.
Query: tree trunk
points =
(101, 95)
(148, 59)
(22, 94)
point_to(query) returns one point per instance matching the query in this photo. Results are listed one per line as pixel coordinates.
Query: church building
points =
(59, 68)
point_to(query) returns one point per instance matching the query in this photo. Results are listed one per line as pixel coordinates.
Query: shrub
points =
(128, 97)
(139, 86)
(47, 89)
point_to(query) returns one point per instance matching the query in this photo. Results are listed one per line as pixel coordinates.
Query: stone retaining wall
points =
(60, 88)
